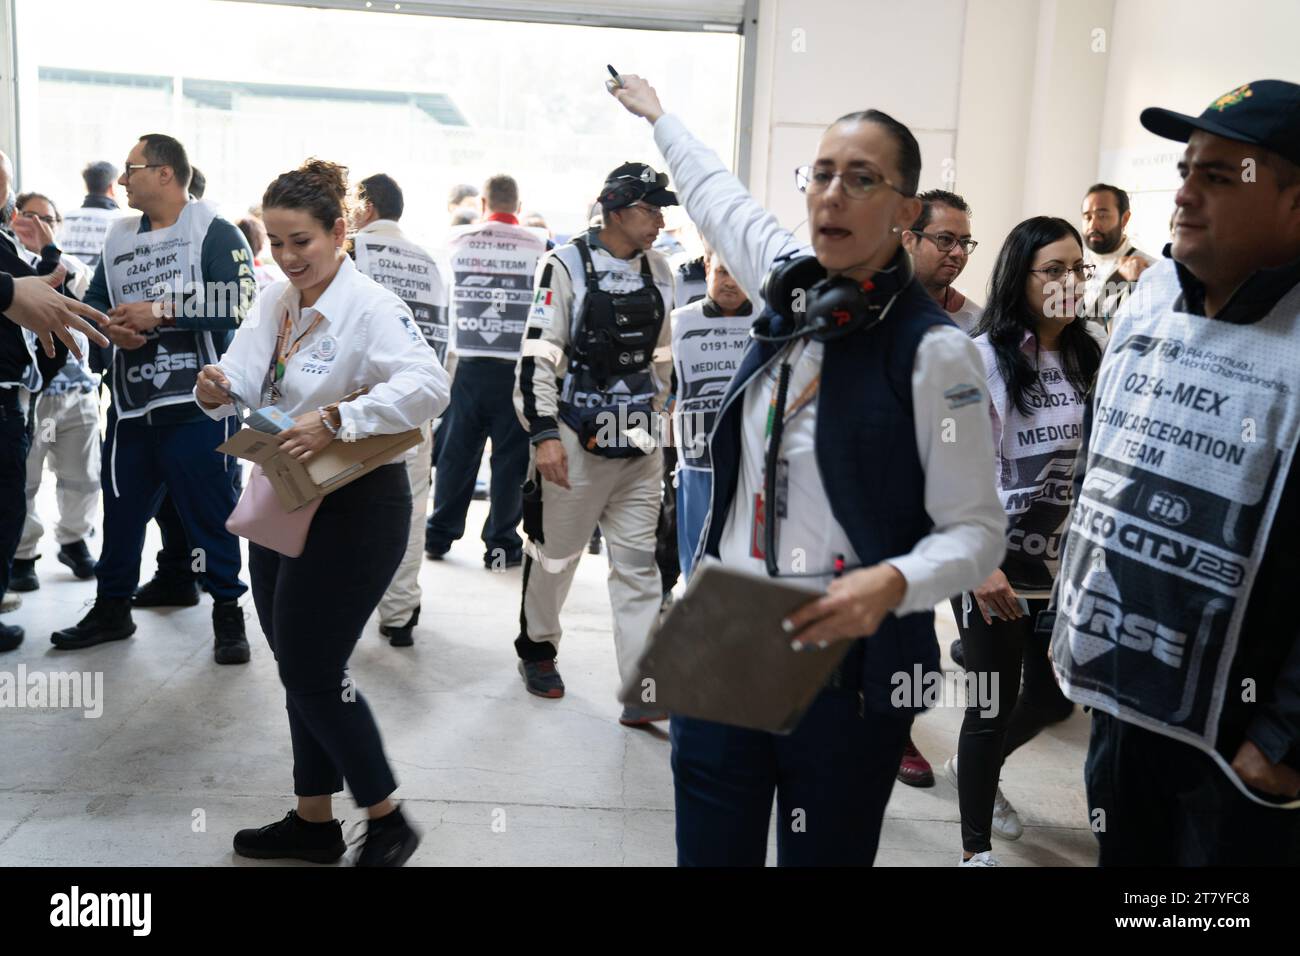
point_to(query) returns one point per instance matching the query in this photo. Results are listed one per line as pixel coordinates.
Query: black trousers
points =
(1003, 650)
(313, 609)
(15, 441)
(1156, 801)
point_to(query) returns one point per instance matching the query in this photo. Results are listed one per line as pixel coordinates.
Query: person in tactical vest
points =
(594, 370)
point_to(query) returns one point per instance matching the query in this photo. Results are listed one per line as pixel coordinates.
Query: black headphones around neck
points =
(818, 306)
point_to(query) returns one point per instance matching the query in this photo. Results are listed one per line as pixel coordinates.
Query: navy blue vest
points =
(866, 451)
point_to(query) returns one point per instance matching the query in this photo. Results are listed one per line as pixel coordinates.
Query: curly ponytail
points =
(318, 186)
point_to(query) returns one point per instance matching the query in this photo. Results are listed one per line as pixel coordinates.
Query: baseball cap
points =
(633, 182)
(1263, 113)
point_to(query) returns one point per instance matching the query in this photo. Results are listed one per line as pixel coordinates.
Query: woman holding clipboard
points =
(856, 425)
(317, 339)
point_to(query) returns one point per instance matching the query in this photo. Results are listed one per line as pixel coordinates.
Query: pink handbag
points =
(261, 518)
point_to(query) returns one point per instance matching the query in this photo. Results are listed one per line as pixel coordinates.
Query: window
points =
(254, 89)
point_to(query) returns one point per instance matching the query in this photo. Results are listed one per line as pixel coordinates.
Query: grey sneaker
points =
(641, 716)
(983, 858)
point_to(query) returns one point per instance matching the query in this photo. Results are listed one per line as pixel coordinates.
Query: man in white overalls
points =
(403, 267)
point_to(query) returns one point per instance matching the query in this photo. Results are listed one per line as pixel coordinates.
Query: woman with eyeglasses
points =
(850, 454)
(1041, 363)
(36, 224)
(67, 408)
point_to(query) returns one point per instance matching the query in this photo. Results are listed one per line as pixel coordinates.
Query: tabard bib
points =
(147, 266)
(84, 231)
(1195, 426)
(492, 265)
(411, 274)
(706, 353)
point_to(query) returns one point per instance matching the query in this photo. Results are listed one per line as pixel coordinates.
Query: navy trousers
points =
(142, 462)
(832, 778)
(482, 407)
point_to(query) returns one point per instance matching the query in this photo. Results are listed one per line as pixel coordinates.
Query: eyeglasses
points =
(946, 242)
(654, 212)
(856, 185)
(48, 220)
(131, 166)
(1056, 273)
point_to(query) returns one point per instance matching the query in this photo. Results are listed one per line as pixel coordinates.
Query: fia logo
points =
(1169, 509)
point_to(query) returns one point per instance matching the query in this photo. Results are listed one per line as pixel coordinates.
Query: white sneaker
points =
(11, 601)
(1006, 822)
(983, 858)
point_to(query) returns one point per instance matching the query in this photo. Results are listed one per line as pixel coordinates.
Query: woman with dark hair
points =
(1041, 362)
(851, 454)
(312, 345)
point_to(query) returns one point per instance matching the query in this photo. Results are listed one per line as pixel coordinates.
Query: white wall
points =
(820, 59)
(1028, 102)
(1181, 54)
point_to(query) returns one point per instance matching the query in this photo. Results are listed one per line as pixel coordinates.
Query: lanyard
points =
(283, 354)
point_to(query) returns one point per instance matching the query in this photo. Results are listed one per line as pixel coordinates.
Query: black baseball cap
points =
(634, 182)
(1263, 113)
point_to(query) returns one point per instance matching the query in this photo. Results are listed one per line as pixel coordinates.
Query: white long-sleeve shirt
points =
(366, 337)
(952, 437)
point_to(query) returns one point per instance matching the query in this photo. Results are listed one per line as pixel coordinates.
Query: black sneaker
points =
(390, 841)
(11, 635)
(161, 592)
(23, 576)
(108, 620)
(401, 636)
(434, 554)
(229, 645)
(542, 679)
(293, 838)
(506, 562)
(77, 557)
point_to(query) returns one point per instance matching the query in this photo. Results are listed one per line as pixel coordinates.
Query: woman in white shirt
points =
(313, 342)
(1041, 363)
(850, 452)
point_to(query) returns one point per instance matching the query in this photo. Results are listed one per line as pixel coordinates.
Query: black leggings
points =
(312, 609)
(1004, 649)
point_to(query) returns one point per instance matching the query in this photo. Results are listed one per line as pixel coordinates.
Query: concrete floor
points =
(187, 752)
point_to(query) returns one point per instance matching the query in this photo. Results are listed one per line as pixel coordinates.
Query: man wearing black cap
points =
(593, 374)
(1176, 603)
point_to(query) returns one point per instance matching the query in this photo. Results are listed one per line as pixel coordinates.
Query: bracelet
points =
(325, 420)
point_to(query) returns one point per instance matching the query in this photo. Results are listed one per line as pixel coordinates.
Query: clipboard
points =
(720, 654)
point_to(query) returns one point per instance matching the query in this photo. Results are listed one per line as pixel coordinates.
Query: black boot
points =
(390, 841)
(108, 620)
(165, 592)
(77, 556)
(401, 636)
(293, 838)
(23, 576)
(11, 635)
(230, 645)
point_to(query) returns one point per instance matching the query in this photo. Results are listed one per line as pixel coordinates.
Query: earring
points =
(897, 229)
